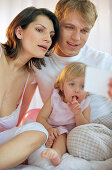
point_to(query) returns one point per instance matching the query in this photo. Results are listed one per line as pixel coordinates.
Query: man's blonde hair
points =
(86, 9)
(70, 72)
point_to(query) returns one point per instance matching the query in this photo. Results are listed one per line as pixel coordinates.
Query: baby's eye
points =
(72, 84)
(82, 86)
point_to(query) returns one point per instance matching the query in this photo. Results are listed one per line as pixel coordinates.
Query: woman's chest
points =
(11, 88)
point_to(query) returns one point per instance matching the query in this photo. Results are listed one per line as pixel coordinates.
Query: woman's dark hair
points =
(23, 19)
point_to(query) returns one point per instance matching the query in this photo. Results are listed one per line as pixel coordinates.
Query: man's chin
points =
(70, 53)
(66, 53)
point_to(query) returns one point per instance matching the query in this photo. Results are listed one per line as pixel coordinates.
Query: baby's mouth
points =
(75, 97)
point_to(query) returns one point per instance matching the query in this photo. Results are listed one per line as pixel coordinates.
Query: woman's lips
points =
(43, 47)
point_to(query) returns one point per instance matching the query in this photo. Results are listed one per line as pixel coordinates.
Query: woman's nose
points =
(48, 38)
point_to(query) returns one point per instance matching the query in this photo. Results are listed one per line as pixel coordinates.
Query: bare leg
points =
(18, 149)
(58, 149)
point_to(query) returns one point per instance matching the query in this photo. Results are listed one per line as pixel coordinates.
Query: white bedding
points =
(72, 163)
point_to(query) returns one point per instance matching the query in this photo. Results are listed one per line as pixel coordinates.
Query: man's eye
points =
(68, 27)
(84, 31)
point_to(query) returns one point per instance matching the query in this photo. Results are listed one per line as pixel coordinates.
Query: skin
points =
(13, 74)
(74, 33)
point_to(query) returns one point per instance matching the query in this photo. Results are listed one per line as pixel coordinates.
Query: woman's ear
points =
(19, 32)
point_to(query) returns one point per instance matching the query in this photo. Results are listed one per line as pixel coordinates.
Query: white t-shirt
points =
(54, 65)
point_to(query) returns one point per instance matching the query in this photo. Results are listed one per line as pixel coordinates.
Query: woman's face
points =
(37, 37)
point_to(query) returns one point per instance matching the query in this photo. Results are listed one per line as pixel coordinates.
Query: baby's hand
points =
(75, 107)
(53, 133)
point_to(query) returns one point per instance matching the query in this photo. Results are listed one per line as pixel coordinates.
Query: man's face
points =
(74, 33)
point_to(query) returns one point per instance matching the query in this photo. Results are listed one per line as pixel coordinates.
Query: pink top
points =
(61, 114)
(12, 120)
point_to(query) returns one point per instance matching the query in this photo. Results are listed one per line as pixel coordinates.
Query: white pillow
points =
(91, 142)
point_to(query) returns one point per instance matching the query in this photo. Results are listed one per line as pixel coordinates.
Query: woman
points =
(30, 36)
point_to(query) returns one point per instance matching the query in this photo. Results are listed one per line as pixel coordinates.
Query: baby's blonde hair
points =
(71, 71)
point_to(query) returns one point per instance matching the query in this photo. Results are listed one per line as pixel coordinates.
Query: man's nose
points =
(76, 35)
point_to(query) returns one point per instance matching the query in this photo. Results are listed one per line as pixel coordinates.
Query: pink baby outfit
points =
(62, 117)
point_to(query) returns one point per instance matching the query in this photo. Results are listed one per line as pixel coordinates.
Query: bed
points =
(72, 163)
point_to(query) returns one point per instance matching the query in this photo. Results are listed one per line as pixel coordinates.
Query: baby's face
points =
(74, 89)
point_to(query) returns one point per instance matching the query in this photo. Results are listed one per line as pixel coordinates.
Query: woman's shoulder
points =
(1, 50)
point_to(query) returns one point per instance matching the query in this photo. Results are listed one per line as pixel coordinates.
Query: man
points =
(76, 18)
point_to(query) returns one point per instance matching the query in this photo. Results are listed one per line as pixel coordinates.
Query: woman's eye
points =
(39, 30)
(52, 35)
